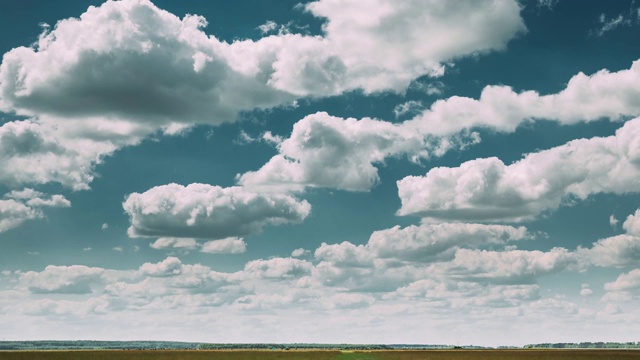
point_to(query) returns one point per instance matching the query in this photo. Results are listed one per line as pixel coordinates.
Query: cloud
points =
(133, 61)
(278, 268)
(617, 251)
(398, 41)
(232, 245)
(509, 267)
(170, 266)
(126, 69)
(605, 94)
(460, 294)
(14, 213)
(488, 190)
(410, 107)
(625, 282)
(632, 224)
(206, 211)
(549, 4)
(24, 205)
(396, 256)
(613, 222)
(316, 139)
(92, 65)
(74, 279)
(299, 252)
(34, 198)
(332, 152)
(429, 242)
(174, 243)
(34, 152)
(606, 25)
(268, 27)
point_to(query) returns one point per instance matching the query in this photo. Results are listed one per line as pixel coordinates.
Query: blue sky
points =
(329, 171)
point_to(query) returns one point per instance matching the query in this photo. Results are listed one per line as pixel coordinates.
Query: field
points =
(320, 355)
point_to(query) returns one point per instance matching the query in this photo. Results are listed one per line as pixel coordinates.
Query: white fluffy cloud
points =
(395, 42)
(621, 250)
(14, 213)
(74, 279)
(328, 151)
(210, 212)
(37, 152)
(232, 245)
(625, 282)
(509, 267)
(278, 268)
(170, 266)
(632, 224)
(174, 243)
(20, 206)
(428, 242)
(489, 190)
(332, 152)
(605, 94)
(129, 59)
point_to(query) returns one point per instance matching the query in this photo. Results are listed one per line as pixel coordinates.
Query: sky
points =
(332, 171)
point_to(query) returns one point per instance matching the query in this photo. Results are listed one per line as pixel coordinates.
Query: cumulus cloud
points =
(299, 252)
(278, 268)
(74, 279)
(174, 243)
(508, 267)
(36, 152)
(395, 256)
(92, 65)
(332, 152)
(461, 294)
(428, 242)
(129, 60)
(613, 222)
(14, 213)
(625, 282)
(126, 69)
(19, 206)
(170, 266)
(488, 190)
(615, 251)
(232, 245)
(396, 41)
(632, 224)
(605, 94)
(210, 212)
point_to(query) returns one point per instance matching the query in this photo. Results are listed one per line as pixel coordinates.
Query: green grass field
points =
(320, 355)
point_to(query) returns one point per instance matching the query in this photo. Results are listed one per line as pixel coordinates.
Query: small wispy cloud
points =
(607, 24)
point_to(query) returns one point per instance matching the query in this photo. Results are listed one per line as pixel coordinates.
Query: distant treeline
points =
(294, 346)
(173, 345)
(95, 345)
(586, 345)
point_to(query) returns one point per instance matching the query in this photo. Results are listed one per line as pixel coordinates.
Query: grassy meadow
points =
(320, 355)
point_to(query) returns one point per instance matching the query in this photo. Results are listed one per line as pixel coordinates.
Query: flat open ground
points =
(320, 355)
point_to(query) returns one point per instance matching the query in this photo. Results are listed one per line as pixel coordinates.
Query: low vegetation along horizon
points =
(452, 354)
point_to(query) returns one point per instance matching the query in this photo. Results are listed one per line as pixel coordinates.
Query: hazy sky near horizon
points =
(461, 172)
